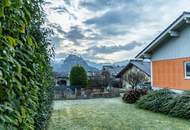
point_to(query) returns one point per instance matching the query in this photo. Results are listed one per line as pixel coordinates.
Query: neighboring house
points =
(134, 65)
(109, 73)
(61, 80)
(92, 74)
(170, 55)
(112, 69)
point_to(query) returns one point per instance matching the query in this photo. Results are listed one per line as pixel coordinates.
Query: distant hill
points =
(65, 66)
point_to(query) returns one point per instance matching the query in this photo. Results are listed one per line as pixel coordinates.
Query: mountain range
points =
(65, 66)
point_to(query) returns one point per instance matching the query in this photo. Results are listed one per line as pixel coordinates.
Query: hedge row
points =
(167, 102)
(25, 72)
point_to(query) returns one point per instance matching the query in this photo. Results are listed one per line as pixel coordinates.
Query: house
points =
(108, 74)
(170, 55)
(134, 65)
(61, 79)
(112, 69)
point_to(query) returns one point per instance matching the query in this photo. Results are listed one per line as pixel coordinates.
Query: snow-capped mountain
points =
(65, 66)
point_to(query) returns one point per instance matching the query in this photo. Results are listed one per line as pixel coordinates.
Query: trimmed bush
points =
(181, 107)
(156, 100)
(26, 77)
(187, 92)
(167, 102)
(78, 76)
(132, 95)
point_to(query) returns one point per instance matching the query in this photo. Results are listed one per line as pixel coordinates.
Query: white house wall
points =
(177, 47)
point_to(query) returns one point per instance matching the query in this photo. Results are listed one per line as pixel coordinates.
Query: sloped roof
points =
(112, 69)
(168, 32)
(144, 66)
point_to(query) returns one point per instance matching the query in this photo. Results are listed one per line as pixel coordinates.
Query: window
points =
(187, 70)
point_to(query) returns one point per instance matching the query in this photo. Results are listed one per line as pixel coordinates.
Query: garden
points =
(139, 108)
(27, 85)
(109, 114)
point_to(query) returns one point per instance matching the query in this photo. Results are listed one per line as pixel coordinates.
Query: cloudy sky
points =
(108, 30)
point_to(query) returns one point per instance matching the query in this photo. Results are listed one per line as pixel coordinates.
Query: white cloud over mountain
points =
(108, 30)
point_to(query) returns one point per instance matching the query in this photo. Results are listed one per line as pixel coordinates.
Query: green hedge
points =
(167, 102)
(25, 73)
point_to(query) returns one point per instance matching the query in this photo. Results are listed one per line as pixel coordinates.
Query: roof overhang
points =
(169, 32)
(127, 67)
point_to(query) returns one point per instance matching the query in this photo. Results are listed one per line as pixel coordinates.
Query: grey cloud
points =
(57, 41)
(92, 57)
(75, 34)
(68, 2)
(47, 3)
(115, 30)
(125, 17)
(62, 9)
(112, 49)
(115, 22)
(98, 5)
(57, 27)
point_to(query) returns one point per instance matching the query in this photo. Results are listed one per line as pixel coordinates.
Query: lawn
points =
(109, 114)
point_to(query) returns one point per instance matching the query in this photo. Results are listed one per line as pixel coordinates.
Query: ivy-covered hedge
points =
(25, 73)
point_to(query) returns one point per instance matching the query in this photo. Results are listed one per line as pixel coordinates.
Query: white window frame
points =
(185, 63)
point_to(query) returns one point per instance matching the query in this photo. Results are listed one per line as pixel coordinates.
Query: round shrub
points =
(132, 95)
(78, 76)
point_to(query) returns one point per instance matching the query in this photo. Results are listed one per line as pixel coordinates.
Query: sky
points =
(107, 31)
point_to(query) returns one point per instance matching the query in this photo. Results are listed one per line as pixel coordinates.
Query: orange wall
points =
(170, 74)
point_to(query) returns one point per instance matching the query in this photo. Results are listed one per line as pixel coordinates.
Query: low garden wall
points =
(69, 93)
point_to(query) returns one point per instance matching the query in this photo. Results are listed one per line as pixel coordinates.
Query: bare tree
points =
(106, 76)
(135, 77)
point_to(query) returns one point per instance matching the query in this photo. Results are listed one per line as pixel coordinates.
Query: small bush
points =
(132, 95)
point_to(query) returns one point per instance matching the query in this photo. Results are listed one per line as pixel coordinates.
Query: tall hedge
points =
(25, 73)
(78, 76)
